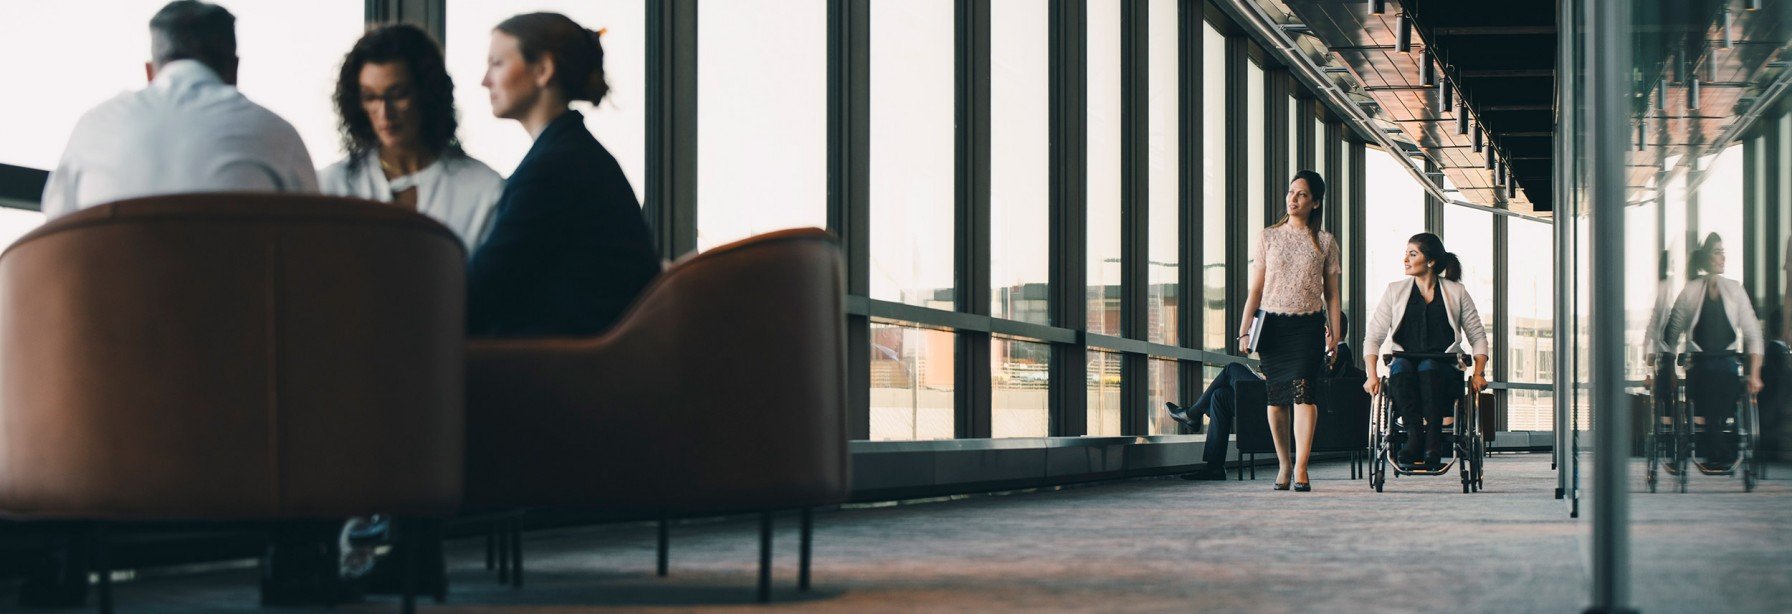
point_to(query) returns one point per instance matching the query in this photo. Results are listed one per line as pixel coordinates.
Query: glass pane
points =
(1319, 157)
(1291, 107)
(1104, 167)
(1165, 262)
(1020, 380)
(761, 118)
(1530, 305)
(1469, 234)
(1104, 393)
(1254, 160)
(620, 123)
(1397, 206)
(14, 223)
(1720, 205)
(912, 152)
(912, 379)
(1165, 388)
(1342, 204)
(290, 54)
(1530, 410)
(1213, 189)
(1020, 160)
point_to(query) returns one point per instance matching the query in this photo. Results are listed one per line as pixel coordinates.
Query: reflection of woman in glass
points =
(1716, 315)
(1429, 312)
(1294, 282)
(396, 104)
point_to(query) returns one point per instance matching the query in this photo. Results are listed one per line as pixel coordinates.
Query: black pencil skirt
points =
(1292, 350)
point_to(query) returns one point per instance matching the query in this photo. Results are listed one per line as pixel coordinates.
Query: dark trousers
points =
(1714, 386)
(1221, 410)
(1424, 391)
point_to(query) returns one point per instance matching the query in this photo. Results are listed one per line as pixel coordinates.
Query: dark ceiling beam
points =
(1509, 73)
(1493, 30)
(1492, 108)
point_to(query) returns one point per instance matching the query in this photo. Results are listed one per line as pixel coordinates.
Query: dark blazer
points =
(568, 248)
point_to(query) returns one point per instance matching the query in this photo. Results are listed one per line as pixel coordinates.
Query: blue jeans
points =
(1218, 402)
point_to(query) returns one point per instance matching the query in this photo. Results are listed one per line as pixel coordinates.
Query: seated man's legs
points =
(1221, 410)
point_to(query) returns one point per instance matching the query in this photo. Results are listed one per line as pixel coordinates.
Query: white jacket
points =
(1464, 319)
(1737, 308)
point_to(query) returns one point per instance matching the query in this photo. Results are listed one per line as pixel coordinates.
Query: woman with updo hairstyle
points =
(1717, 316)
(1428, 312)
(1294, 290)
(568, 248)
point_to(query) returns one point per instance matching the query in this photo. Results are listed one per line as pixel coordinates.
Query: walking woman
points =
(1429, 312)
(568, 249)
(1294, 284)
(1718, 318)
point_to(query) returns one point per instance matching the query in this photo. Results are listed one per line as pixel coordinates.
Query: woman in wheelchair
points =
(1718, 318)
(1429, 312)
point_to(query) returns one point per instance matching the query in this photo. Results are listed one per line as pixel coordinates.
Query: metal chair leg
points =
(491, 548)
(765, 557)
(516, 552)
(808, 540)
(665, 546)
(501, 534)
(102, 563)
(409, 542)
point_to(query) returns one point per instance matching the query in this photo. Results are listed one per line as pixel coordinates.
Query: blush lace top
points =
(1294, 282)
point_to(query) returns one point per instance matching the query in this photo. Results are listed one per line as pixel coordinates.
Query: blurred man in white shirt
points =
(189, 131)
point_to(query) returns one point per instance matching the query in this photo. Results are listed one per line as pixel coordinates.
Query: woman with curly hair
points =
(395, 102)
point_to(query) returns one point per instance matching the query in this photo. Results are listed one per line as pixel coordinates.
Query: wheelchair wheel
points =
(1748, 431)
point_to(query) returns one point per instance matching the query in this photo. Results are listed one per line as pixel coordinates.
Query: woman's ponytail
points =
(1448, 266)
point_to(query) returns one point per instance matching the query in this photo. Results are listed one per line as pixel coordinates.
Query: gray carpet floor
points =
(1147, 545)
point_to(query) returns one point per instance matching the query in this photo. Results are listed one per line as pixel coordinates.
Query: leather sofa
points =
(721, 390)
(232, 357)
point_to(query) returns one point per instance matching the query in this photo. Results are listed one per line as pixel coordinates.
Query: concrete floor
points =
(1148, 545)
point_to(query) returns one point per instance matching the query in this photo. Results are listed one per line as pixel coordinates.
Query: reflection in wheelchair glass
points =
(1703, 419)
(1389, 432)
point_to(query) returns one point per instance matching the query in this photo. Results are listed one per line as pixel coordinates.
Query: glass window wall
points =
(912, 152)
(1164, 265)
(1104, 131)
(1020, 160)
(1104, 393)
(1215, 329)
(912, 375)
(761, 118)
(1020, 377)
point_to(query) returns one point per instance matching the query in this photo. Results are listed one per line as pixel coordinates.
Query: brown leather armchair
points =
(721, 390)
(224, 357)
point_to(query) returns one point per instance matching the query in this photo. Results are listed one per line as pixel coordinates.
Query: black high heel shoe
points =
(1281, 486)
(1302, 487)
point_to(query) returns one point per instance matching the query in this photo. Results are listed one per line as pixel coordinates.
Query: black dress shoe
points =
(1180, 415)
(1281, 486)
(1302, 487)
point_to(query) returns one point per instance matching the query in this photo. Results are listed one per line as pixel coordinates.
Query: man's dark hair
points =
(193, 30)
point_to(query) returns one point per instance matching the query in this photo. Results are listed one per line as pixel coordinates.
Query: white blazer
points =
(1464, 319)
(1737, 308)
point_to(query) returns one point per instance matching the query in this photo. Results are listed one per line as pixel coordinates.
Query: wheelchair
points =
(1468, 444)
(1670, 445)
